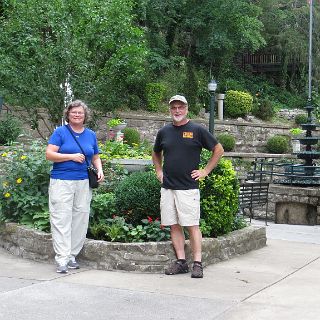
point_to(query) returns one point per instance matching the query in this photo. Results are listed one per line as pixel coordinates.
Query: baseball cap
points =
(178, 98)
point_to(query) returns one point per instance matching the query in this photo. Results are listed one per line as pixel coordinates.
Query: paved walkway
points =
(280, 281)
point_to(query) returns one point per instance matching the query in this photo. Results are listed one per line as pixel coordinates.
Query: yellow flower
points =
(23, 157)
(5, 184)
(4, 154)
(19, 180)
(7, 195)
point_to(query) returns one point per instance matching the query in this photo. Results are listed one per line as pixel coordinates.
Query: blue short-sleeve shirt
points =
(71, 170)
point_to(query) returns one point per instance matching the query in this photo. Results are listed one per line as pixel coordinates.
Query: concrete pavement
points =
(280, 281)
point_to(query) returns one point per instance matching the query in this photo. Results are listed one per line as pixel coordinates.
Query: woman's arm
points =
(52, 154)
(98, 164)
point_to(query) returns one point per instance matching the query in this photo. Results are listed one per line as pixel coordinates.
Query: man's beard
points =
(178, 118)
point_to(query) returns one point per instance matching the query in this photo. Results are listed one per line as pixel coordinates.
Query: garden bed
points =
(142, 257)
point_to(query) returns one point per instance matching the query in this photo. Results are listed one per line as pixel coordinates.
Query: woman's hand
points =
(78, 157)
(100, 176)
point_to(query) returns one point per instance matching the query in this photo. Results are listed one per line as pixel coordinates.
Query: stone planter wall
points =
(250, 137)
(142, 257)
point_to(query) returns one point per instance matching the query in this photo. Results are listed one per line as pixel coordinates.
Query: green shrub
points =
(10, 129)
(263, 109)
(103, 206)
(300, 118)
(155, 92)
(227, 140)
(24, 183)
(277, 144)
(131, 136)
(138, 196)
(238, 103)
(219, 198)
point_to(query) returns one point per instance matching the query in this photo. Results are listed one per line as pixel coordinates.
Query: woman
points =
(69, 191)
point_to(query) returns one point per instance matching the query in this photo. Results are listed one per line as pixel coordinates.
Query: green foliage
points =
(138, 196)
(117, 229)
(277, 144)
(301, 118)
(113, 173)
(116, 150)
(25, 180)
(238, 103)
(296, 131)
(150, 230)
(10, 129)
(263, 109)
(227, 140)
(154, 94)
(114, 122)
(95, 45)
(103, 206)
(219, 198)
(37, 220)
(131, 136)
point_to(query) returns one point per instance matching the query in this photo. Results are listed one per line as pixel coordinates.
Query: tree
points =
(92, 43)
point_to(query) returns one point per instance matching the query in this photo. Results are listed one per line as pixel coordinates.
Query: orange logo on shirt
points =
(188, 135)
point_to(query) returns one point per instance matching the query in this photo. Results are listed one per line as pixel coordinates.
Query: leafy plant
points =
(114, 122)
(301, 118)
(277, 144)
(37, 220)
(131, 136)
(227, 140)
(238, 103)
(151, 230)
(24, 183)
(103, 206)
(155, 94)
(263, 109)
(114, 229)
(115, 150)
(137, 196)
(296, 131)
(10, 129)
(219, 198)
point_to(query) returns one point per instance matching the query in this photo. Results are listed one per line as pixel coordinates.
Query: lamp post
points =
(212, 87)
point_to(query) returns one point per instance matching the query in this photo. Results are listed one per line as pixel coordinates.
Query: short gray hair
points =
(75, 104)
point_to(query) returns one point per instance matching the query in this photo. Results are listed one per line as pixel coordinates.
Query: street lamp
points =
(212, 87)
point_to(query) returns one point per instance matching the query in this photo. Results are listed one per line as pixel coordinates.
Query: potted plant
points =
(116, 124)
(295, 132)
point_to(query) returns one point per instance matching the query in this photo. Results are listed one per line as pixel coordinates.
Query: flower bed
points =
(143, 257)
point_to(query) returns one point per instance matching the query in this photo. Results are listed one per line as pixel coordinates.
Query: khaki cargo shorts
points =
(180, 207)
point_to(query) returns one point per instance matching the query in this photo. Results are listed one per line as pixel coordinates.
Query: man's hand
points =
(199, 174)
(160, 176)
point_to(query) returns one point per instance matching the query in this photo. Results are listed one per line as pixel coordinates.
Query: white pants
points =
(69, 206)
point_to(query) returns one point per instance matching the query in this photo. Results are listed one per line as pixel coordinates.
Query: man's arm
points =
(217, 153)
(157, 162)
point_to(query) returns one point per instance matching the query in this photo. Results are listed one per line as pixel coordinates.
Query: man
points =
(179, 145)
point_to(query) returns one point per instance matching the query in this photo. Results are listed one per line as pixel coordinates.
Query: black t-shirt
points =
(181, 147)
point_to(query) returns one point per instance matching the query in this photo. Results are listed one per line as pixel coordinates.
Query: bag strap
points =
(75, 139)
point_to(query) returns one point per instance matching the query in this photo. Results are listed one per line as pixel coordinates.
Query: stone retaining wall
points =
(141, 257)
(250, 136)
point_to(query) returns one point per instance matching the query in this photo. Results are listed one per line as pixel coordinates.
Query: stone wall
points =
(142, 257)
(292, 205)
(250, 137)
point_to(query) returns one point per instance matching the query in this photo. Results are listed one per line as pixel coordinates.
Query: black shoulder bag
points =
(92, 171)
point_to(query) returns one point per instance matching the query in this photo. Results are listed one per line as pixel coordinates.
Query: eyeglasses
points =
(77, 113)
(178, 108)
